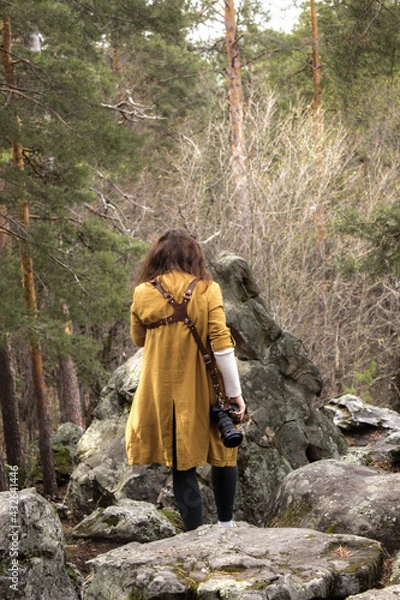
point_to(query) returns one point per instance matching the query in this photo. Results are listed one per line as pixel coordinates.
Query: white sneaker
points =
(228, 524)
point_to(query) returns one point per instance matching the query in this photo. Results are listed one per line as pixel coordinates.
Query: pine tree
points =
(79, 131)
(236, 113)
(56, 135)
(46, 456)
(360, 42)
(3, 476)
(9, 407)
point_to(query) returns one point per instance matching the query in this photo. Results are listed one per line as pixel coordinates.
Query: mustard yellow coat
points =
(174, 379)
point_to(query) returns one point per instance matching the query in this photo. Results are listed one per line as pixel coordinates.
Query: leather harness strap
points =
(180, 314)
(180, 310)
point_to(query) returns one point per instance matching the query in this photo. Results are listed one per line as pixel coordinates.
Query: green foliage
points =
(360, 37)
(88, 285)
(269, 59)
(63, 463)
(363, 382)
(90, 271)
(359, 42)
(74, 146)
(367, 376)
(12, 307)
(168, 75)
(381, 232)
(82, 155)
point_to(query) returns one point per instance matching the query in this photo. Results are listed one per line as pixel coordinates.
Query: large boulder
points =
(32, 559)
(391, 592)
(128, 521)
(284, 431)
(373, 432)
(102, 476)
(67, 436)
(243, 563)
(351, 414)
(64, 442)
(335, 497)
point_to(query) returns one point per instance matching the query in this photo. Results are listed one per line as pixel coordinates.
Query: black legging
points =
(188, 497)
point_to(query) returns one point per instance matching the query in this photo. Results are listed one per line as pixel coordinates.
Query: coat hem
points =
(211, 462)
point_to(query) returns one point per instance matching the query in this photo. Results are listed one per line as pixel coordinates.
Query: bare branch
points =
(75, 276)
(131, 110)
(122, 193)
(10, 233)
(115, 220)
(373, 19)
(18, 92)
(18, 59)
(211, 238)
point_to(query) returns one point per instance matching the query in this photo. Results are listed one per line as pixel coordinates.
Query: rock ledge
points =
(238, 563)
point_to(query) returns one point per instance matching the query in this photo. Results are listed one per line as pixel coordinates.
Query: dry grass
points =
(300, 179)
(342, 552)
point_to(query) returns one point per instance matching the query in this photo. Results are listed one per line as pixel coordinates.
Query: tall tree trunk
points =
(46, 454)
(68, 386)
(316, 62)
(8, 396)
(68, 393)
(236, 112)
(9, 407)
(319, 136)
(3, 476)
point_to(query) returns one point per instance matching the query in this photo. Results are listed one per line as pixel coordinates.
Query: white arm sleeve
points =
(227, 365)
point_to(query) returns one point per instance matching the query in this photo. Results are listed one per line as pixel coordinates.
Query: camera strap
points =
(180, 314)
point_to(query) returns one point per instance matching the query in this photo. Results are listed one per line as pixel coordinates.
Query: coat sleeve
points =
(138, 330)
(219, 334)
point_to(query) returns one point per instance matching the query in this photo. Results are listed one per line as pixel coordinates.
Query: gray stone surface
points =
(332, 496)
(238, 563)
(127, 521)
(351, 413)
(374, 431)
(284, 430)
(68, 436)
(36, 537)
(395, 572)
(388, 593)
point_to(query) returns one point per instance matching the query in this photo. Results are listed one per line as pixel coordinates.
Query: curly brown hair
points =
(174, 249)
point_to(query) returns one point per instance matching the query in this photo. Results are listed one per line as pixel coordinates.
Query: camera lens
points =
(230, 436)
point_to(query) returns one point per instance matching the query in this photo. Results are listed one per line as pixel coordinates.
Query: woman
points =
(169, 422)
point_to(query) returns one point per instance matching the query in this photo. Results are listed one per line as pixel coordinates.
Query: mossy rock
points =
(63, 464)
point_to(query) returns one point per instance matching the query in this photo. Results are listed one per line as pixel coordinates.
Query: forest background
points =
(116, 123)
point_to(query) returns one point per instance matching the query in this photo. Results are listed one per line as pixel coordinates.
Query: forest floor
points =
(77, 551)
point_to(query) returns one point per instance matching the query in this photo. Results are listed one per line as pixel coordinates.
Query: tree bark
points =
(68, 393)
(9, 407)
(3, 476)
(236, 113)
(45, 448)
(316, 61)
(319, 135)
(68, 386)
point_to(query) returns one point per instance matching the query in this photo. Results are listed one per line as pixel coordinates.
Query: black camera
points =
(225, 418)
